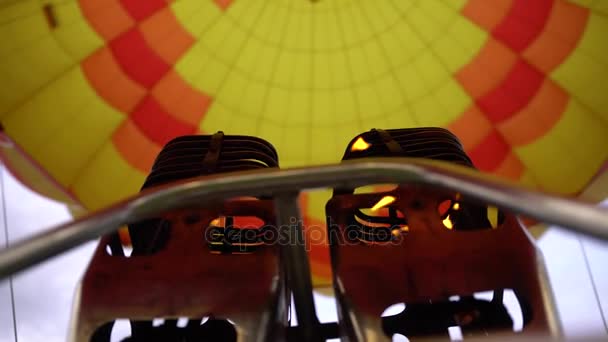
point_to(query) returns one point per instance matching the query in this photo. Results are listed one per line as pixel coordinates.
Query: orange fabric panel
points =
(511, 168)
(165, 35)
(139, 151)
(565, 27)
(487, 14)
(534, 121)
(110, 82)
(315, 231)
(108, 17)
(471, 128)
(488, 69)
(180, 99)
(321, 271)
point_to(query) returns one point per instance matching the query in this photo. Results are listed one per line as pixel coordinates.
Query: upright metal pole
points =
(295, 262)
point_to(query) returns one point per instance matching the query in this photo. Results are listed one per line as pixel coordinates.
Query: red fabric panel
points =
(524, 22)
(513, 94)
(141, 9)
(490, 153)
(223, 4)
(157, 124)
(137, 59)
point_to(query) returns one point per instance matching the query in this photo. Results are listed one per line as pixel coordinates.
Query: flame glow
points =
(456, 206)
(447, 222)
(360, 145)
(386, 200)
(493, 216)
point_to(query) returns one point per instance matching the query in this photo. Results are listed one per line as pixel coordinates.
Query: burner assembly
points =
(215, 248)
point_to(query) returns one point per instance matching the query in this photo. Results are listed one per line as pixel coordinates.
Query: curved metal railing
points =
(567, 213)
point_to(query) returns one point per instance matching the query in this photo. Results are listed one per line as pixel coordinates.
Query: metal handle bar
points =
(570, 214)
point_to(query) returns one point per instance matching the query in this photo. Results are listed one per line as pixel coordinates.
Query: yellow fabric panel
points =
(323, 112)
(369, 103)
(584, 3)
(299, 110)
(453, 100)
(266, 60)
(401, 118)
(277, 102)
(31, 58)
(46, 59)
(341, 75)
(410, 80)
(432, 72)
(324, 147)
(369, 123)
(347, 130)
(218, 117)
(377, 59)
(252, 101)
(438, 13)
(349, 24)
(214, 37)
(316, 202)
(594, 38)
(456, 5)
(241, 124)
(586, 67)
(390, 94)
(402, 43)
(195, 15)
(266, 22)
(31, 176)
(346, 105)
(468, 34)
(232, 89)
(600, 6)
(236, 48)
(203, 70)
(275, 33)
(322, 73)
(460, 44)
(22, 21)
(327, 32)
(72, 145)
(272, 133)
(567, 157)
(73, 32)
(305, 31)
(428, 111)
(580, 75)
(108, 168)
(357, 62)
(295, 146)
(291, 33)
(248, 13)
(31, 123)
(301, 65)
(382, 15)
(425, 26)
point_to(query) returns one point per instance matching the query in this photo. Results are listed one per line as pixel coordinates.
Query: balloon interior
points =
(103, 99)
(225, 266)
